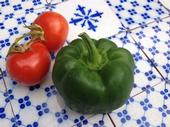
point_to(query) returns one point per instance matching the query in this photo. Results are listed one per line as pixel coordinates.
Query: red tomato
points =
(55, 28)
(31, 66)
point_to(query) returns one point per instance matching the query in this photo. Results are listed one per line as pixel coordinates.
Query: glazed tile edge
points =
(138, 36)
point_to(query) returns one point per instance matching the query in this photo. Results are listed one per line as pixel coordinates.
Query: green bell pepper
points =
(93, 76)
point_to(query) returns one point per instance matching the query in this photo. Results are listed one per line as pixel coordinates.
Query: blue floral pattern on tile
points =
(36, 2)
(61, 116)
(142, 122)
(99, 124)
(164, 110)
(86, 18)
(131, 16)
(123, 116)
(4, 43)
(43, 108)
(32, 88)
(16, 121)
(8, 96)
(30, 10)
(9, 16)
(17, 7)
(13, 31)
(2, 26)
(4, 3)
(165, 93)
(50, 91)
(21, 20)
(81, 121)
(24, 102)
(35, 124)
(145, 104)
(2, 113)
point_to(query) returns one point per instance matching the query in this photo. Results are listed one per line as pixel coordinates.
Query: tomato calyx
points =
(19, 48)
(36, 32)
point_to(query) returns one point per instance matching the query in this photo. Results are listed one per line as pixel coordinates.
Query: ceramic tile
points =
(9, 8)
(101, 120)
(5, 107)
(40, 105)
(152, 108)
(86, 17)
(154, 39)
(145, 75)
(166, 3)
(133, 13)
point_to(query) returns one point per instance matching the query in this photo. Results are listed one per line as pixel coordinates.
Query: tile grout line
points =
(6, 89)
(151, 22)
(132, 29)
(163, 6)
(43, 6)
(148, 58)
(145, 90)
(111, 120)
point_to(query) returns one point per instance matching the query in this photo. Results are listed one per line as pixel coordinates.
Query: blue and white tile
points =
(152, 108)
(5, 109)
(133, 13)
(145, 75)
(83, 16)
(8, 8)
(166, 3)
(154, 39)
(40, 104)
(101, 120)
(5, 116)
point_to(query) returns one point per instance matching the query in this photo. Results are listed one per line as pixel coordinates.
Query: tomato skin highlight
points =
(55, 28)
(31, 66)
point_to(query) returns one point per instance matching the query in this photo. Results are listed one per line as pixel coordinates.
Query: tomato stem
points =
(36, 32)
(16, 47)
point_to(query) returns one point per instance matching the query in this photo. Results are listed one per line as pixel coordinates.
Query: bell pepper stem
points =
(94, 57)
